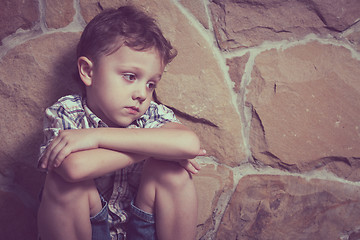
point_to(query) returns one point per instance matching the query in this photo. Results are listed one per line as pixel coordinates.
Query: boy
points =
(95, 145)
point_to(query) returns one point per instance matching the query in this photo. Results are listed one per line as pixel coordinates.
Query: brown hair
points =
(112, 28)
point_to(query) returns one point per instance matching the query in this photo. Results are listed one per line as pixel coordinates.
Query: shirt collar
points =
(94, 120)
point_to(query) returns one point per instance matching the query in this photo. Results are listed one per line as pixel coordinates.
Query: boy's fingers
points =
(54, 151)
(202, 152)
(43, 162)
(195, 164)
(61, 156)
(189, 166)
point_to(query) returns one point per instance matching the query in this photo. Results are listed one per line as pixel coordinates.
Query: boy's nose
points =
(139, 93)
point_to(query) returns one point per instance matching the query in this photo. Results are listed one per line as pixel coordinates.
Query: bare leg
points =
(65, 209)
(167, 190)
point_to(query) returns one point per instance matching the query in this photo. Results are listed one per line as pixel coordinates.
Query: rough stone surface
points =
(304, 100)
(243, 23)
(339, 15)
(198, 9)
(236, 70)
(306, 112)
(196, 75)
(353, 36)
(211, 182)
(22, 219)
(287, 207)
(45, 75)
(59, 13)
(89, 9)
(17, 14)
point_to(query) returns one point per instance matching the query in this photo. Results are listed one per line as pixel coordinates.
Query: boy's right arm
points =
(82, 164)
(93, 163)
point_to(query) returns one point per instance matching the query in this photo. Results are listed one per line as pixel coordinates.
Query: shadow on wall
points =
(32, 77)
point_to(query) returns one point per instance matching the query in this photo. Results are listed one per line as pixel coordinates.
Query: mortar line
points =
(21, 36)
(206, 3)
(208, 36)
(42, 15)
(220, 59)
(285, 44)
(76, 25)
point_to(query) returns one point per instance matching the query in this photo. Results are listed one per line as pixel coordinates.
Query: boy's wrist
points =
(98, 135)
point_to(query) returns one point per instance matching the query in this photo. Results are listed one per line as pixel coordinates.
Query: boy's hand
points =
(67, 142)
(191, 165)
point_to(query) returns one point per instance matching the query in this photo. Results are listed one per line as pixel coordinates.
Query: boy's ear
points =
(85, 67)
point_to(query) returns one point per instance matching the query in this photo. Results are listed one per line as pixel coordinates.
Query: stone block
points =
(32, 77)
(211, 183)
(239, 24)
(305, 109)
(59, 13)
(17, 14)
(338, 15)
(236, 70)
(288, 207)
(16, 219)
(198, 9)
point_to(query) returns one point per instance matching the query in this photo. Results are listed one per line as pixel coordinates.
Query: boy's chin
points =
(119, 124)
(125, 123)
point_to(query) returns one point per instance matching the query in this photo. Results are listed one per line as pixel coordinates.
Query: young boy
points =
(95, 144)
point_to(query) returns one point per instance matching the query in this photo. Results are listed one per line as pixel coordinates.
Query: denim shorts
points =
(141, 225)
(99, 223)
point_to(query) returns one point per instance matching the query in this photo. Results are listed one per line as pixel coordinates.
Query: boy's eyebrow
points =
(156, 77)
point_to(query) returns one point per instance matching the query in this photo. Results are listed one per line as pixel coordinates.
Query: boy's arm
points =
(93, 163)
(109, 149)
(171, 141)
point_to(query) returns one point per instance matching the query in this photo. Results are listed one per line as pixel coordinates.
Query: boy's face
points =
(122, 85)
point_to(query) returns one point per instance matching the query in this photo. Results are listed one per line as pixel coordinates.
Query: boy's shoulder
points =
(158, 109)
(68, 102)
(157, 115)
(67, 105)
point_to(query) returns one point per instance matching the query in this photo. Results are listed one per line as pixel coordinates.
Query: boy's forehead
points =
(126, 51)
(132, 58)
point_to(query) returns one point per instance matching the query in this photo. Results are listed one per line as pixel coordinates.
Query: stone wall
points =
(272, 87)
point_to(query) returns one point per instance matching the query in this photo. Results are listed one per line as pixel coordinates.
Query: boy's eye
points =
(151, 85)
(129, 76)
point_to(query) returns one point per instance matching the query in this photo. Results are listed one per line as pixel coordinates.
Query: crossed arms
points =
(85, 154)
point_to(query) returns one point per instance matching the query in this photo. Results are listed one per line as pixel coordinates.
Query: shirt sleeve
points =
(156, 116)
(56, 118)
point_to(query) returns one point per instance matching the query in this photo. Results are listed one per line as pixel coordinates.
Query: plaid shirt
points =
(120, 187)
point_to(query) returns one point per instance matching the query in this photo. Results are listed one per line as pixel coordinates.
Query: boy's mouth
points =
(133, 110)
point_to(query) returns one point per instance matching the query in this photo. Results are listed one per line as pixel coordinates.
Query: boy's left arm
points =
(191, 165)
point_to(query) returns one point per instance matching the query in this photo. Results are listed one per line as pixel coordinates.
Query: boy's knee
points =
(169, 174)
(58, 190)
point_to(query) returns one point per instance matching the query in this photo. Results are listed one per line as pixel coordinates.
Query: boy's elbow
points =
(192, 145)
(69, 170)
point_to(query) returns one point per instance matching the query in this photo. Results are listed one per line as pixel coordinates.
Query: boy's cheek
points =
(146, 105)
